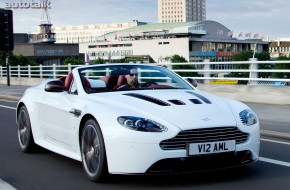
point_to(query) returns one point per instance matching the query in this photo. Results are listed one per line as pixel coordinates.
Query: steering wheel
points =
(147, 84)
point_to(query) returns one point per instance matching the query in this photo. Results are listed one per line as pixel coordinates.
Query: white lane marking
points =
(8, 107)
(13, 101)
(5, 186)
(272, 161)
(280, 142)
(281, 163)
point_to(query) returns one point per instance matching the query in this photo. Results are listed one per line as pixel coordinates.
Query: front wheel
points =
(25, 137)
(93, 152)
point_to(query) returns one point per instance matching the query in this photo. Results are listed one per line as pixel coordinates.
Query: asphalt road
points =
(46, 170)
(273, 117)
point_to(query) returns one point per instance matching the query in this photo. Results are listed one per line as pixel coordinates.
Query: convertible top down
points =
(162, 125)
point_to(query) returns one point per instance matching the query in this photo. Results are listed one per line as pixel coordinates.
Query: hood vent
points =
(195, 101)
(200, 97)
(148, 98)
(177, 102)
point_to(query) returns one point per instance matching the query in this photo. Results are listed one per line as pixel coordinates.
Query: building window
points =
(229, 47)
(235, 48)
(220, 47)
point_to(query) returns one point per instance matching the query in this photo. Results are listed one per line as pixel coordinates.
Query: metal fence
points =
(207, 71)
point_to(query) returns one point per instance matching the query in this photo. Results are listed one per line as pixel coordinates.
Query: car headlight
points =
(248, 117)
(141, 124)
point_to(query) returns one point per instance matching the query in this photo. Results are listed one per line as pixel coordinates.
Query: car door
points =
(57, 116)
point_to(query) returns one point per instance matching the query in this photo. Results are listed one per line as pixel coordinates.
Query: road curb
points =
(275, 134)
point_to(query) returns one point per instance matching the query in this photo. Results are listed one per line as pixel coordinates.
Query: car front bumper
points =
(140, 158)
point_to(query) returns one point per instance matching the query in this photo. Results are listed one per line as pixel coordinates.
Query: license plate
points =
(211, 147)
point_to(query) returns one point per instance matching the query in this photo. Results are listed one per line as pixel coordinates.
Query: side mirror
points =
(192, 81)
(54, 86)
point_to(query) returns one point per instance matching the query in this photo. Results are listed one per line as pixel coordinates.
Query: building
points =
(47, 53)
(44, 53)
(89, 33)
(195, 41)
(181, 11)
(280, 47)
(42, 49)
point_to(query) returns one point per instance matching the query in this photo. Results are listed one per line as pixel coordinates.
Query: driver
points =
(132, 80)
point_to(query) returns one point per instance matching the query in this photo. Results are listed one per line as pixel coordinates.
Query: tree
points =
(15, 60)
(99, 61)
(73, 61)
(282, 66)
(246, 56)
(243, 56)
(179, 59)
(21, 60)
(70, 60)
(2, 58)
(263, 56)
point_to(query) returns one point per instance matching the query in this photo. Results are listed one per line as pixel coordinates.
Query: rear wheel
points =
(25, 137)
(93, 152)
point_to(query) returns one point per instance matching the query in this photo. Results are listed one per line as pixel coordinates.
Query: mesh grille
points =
(204, 135)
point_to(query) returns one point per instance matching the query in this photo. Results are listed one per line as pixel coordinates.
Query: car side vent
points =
(148, 98)
(195, 101)
(204, 99)
(177, 102)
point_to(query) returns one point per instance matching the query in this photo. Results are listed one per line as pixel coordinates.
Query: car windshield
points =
(125, 77)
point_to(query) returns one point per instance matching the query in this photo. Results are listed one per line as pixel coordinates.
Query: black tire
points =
(24, 132)
(93, 152)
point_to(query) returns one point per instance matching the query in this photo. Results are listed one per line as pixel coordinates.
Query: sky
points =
(269, 17)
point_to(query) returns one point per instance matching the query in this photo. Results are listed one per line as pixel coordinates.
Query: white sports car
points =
(136, 119)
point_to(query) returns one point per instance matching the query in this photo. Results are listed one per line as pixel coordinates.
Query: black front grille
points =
(204, 135)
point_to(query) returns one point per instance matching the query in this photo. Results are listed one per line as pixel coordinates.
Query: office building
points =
(89, 33)
(181, 11)
(280, 47)
(195, 41)
(42, 52)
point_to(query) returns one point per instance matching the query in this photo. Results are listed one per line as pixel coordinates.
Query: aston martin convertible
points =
(136, 119)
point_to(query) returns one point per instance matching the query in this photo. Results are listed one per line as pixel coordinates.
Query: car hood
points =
(186, 109)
